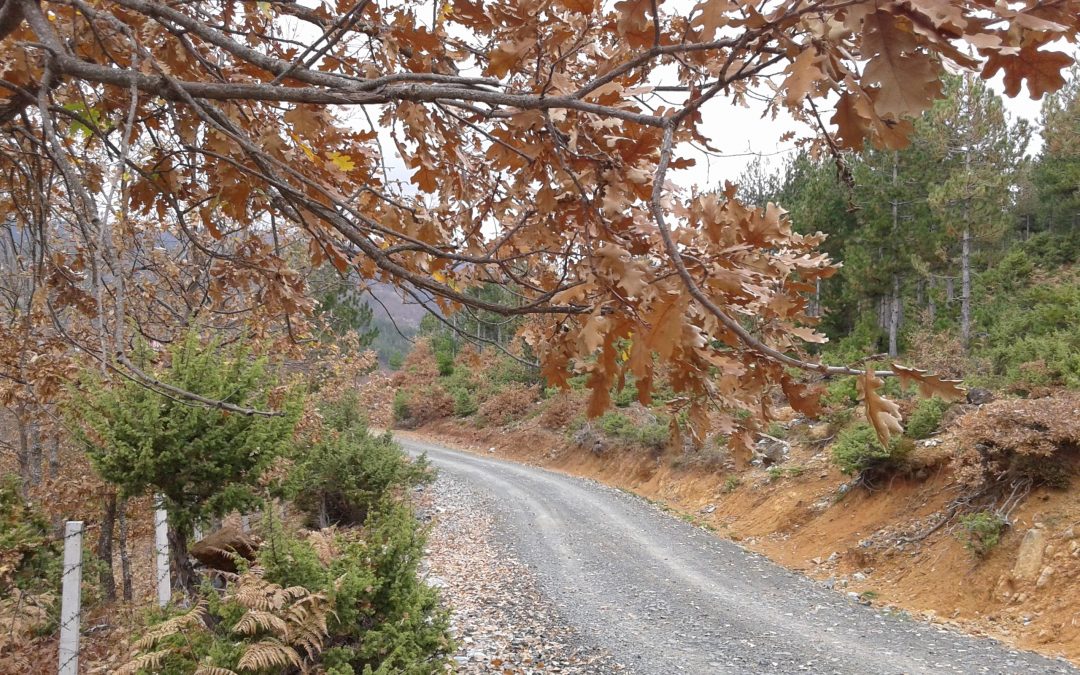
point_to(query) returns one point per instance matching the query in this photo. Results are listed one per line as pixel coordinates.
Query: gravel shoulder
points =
(601, 581)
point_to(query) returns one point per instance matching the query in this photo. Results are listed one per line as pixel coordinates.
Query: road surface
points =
(663, 596)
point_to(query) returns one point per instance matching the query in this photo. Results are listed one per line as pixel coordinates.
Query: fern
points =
(269, 653)
(150, 661)
(214, 670)
(194, 618)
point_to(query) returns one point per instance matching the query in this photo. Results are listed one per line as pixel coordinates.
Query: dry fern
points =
(190, 619)
(214, 670)
(269, 653)
(150, 661)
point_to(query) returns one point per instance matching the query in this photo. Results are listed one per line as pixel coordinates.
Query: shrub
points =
(982, 531)
(401, 406)
(561, 410)
(1032, 440)
(443, 348)
(777, 430)
(337, 602)
(341, 478)
(731, 484)
(507, 405)
(926, 417)
(625, 396)
(857, 451)
(464, 403)
(652, 433)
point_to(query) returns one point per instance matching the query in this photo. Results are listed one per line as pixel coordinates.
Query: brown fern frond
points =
(190, 619)
(269, 653)
(214, 670)
(150, 661)
(254, 620)
(324, 542)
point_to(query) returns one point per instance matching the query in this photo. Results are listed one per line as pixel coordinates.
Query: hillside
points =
(975, 524)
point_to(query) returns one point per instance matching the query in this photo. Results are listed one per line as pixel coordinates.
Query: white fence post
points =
(161, 548)
(70, 609)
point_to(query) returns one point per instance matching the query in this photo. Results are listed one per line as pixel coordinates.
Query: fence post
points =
(70, 609)
(161, 548)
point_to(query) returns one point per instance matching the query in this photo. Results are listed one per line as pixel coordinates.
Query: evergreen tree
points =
(982, 151)
(1056, 173)
(202, 460)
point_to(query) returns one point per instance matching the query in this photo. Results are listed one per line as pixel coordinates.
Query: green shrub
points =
(1032, 337)
(731, 484)
(777, 430)
(356, 594)
(400, 406)
(625, 396)
(385, 618)
(841, 393)
(982, 531)
(926, 417)
(341, 478)
(857, 451)
(464, 403)
(444, 349)
(653, 434)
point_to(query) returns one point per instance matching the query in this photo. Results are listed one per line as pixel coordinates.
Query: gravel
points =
(500, 620)
(569, 567)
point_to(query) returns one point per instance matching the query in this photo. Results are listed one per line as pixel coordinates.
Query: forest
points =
(221, 223)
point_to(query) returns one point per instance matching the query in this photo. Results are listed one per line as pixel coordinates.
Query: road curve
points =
(666, 597)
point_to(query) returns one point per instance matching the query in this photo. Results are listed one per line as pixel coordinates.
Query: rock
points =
(709, 508)
(491, 450)
(858, 576)
(1074, 548)
(769, 451)
(829, 583)
(216, 551)
(1044, 577)
(833, 557)
(1030, 556)
(436, 582)
(1069, 534)
(979, 396)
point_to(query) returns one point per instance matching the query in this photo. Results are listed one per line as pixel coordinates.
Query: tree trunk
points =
(125, 559)
(105, 547)
(54, 457)
(965, 288)
(894, 315)
(183, 571)
(931, 302)
(950, 293)
(23, 453)
(35, 456)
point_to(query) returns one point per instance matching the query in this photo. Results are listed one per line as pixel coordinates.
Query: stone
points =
(858, 576)
(708, 508)
(979, 396)
(1030, 556)
(1044, 577)
(769, 451)
(1069, 534)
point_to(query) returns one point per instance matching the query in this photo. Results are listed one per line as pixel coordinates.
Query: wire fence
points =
(28, 611)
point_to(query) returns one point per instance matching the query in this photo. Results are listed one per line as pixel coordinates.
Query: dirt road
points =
(663, 596)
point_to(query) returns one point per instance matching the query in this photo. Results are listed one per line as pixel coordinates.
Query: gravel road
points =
(662, 596)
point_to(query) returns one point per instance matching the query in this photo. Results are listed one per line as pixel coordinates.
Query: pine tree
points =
(982, 150)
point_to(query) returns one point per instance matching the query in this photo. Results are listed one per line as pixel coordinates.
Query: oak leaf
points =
(1041, 69)
(930, 385)
(882, 413)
